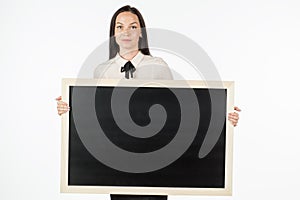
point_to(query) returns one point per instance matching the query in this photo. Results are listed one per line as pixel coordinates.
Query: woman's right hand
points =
(62, 107)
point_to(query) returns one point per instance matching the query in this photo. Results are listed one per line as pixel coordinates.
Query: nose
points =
(126, 31)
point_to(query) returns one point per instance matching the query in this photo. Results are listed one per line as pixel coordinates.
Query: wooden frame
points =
(227, 190)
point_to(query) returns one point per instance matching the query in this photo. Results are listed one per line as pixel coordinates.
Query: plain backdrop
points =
(255, 43)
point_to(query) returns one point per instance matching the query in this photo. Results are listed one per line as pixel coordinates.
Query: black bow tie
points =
(128, 67)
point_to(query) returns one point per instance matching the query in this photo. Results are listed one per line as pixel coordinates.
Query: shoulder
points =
(154, 60)
(155, 67)
(101, 68)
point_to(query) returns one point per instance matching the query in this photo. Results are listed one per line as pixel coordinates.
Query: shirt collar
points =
(135, 60)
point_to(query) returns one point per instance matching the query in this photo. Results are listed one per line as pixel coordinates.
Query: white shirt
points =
(147, 67)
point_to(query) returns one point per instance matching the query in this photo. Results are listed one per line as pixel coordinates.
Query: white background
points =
(256, 43)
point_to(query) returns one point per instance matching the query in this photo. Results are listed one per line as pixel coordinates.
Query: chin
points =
(129, 48)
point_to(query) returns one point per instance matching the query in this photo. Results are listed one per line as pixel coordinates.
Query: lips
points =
(126, 40)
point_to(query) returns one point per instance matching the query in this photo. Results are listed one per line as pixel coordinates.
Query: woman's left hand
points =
(234, 116)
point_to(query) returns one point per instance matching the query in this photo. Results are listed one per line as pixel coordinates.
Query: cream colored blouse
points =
(147, 67)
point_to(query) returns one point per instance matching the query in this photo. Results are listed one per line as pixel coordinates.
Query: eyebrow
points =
(129, 24)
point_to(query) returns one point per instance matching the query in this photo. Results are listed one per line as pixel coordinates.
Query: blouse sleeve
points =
(164, 72)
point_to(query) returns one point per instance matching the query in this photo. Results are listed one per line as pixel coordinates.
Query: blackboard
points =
(186, 172)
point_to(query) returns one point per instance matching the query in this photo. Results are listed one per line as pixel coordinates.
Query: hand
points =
(62, 107)
(234, 116)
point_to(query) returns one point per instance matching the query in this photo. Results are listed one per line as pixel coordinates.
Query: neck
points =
(128, 55)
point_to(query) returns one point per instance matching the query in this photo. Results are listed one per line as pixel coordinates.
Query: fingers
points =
(233, 118)
(62, 107)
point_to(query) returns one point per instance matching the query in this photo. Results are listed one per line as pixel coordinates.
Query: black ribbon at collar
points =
(128, 67)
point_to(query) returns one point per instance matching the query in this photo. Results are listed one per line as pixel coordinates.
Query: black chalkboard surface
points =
(101, 150)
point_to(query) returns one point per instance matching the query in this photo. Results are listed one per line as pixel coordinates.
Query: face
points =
(127, 31)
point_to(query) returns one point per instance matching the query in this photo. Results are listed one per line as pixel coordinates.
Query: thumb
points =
(58, 98)
(237, 109)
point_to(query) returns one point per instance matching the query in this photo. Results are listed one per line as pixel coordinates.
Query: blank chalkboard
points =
(189, 172)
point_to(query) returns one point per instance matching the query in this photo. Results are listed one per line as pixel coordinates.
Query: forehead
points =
(127, 17)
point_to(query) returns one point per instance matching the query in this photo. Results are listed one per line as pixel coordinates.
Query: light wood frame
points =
(226, 191)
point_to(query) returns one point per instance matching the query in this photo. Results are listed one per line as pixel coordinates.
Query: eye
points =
(133, 27)
(119, 27)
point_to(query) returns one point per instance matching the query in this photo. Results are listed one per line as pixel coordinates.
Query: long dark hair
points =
(143, 41)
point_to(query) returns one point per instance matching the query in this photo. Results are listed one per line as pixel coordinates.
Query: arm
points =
(165, 71)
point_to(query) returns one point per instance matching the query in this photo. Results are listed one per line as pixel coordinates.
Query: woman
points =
(129, 55)
(128, 42)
